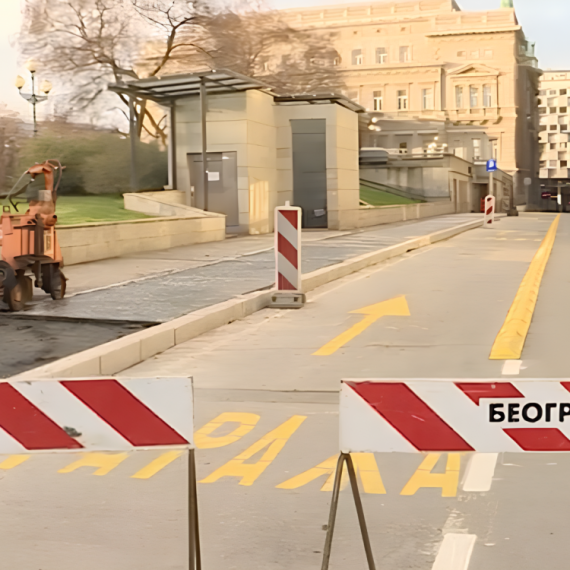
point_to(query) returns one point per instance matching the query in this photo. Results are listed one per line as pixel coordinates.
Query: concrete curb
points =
(117, 355)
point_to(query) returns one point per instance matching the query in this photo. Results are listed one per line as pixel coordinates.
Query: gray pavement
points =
(263, 371)
(164, 297)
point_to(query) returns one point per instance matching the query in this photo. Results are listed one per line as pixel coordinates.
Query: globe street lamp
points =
(32, 98)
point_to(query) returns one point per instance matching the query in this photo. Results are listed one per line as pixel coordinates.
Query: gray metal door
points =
(222, 184)
(310, 170)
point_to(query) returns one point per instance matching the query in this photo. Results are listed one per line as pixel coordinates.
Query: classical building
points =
(553, 103)
(429, 59)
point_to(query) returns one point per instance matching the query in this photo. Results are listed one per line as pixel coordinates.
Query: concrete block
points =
(156, 340)
(120, 354)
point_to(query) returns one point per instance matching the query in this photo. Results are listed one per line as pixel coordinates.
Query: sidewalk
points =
(159, 286)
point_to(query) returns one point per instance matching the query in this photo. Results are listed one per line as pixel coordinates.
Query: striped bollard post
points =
(489, 211)
(288, 278)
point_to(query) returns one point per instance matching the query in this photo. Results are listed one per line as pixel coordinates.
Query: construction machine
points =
(29, 240)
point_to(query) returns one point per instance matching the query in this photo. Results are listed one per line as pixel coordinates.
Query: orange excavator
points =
(29, 241)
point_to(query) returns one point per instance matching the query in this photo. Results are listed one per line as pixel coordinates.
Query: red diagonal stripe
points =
(539, 439)
(566, 385)
(287, 250)
(498, 390)
(284, 285)
(126, 414)
(411, 416)
(291, 216)
(28, 425)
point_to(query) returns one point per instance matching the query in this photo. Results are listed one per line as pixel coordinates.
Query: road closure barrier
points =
(418, 416)
(489, 212)
(288, 277)
(103, 414)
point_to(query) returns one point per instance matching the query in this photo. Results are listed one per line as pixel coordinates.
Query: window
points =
(403, 148)
(552, 110)
(552, 163)
(553, 127)
(357, 58)
(476, 149)
(381, 55)
(404, 54)
(475, 54)
(336, 61)
(459, 97)
(563, 91)
(461, 53)
(563, 164)
(488, 53)
(552, 92)
(563, 128)
(542, 128)
(542, 110)
(402, 100)
(495, 149)
(487, 97)
(473, 97)
(542, 92)
(552, 146)
(377, 100)
(563, 145)
(427, 98)
(543, 164)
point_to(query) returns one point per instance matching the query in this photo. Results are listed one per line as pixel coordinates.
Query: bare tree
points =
(87, 44)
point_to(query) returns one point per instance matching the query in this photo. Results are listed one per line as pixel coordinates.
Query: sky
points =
(545, 22)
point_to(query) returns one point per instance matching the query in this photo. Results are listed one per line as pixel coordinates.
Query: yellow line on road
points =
(157, 465)
(512, 336)
(13, 461)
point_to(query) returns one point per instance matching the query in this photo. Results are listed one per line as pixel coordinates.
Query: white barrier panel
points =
(103, 414)
(454, 416)
(288, 248)
(489, 211)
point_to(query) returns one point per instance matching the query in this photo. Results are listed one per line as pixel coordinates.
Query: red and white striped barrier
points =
(288, 248)
(489, 211)
(467, 415)
(96, 414)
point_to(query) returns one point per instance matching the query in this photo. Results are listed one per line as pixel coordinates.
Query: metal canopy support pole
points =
(133, 136)
(203, 111)
(194, 553)
(345, 457)
(172, 148)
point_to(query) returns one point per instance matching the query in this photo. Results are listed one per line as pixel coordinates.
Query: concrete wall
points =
(244, 123)
(389, 214)
(163, 204)
(94, 241)
(343, 187)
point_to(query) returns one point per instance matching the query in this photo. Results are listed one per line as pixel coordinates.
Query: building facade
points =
(554, 102)
(430, 60)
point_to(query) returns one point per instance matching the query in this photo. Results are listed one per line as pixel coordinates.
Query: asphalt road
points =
(265, 508)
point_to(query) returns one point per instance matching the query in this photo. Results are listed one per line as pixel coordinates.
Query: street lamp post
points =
(32, 98)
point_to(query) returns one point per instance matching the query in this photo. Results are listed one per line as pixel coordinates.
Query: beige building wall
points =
(343, 186)
(242, 122)
(554, 103)
(429, 59)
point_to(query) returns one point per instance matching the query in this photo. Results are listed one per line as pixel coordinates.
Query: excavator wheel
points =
(12, 291)
(54, 281)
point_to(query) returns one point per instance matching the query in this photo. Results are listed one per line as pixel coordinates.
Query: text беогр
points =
(531, 412)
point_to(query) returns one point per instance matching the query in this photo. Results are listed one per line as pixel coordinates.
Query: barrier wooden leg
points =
(332, 514)
(345, 457)
(360, 513)
(194, 553)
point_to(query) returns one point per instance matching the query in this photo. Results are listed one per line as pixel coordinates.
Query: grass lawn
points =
(81, 209)
(379, 198)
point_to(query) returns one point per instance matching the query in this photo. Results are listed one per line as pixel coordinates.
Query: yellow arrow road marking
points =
(397, 307)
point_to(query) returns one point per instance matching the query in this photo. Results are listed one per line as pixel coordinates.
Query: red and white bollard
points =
(288, 276)
(489, 211)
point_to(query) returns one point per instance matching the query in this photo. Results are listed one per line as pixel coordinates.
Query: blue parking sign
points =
(491, 165)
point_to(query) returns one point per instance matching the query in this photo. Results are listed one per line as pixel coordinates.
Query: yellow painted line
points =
(394, 307)
(157, 465)
(424, 477)
(13, 461)
(105, 462)
(246, 421)
(510, 341)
